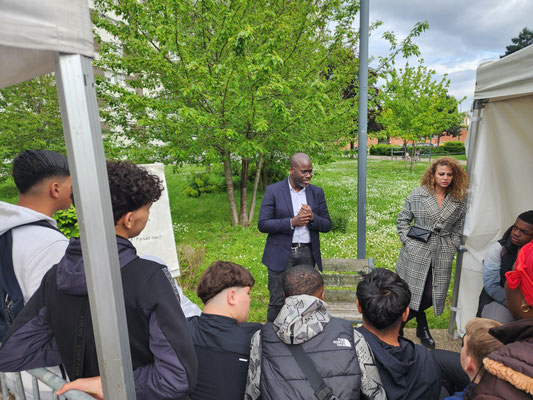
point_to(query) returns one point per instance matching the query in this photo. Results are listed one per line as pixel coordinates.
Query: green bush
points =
(203, 182)
(67, 222)
(339, 221)
(383, 149)
(454, 147)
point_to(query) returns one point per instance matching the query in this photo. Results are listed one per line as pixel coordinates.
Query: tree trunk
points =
(405, 154)
(256, 184)
(413, 156)
(243, 215)
(230, 191)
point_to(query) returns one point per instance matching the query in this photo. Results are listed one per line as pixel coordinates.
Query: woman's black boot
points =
(422, 331)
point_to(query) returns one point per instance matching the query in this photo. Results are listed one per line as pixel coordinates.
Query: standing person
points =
(30, 242)
(48, 329)
(221, 335)
(438, 208)
(292, 212)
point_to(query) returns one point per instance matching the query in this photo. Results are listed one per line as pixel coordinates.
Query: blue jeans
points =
(298, 256)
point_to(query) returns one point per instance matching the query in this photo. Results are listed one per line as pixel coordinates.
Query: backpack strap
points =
(322, 391)
(11, 297)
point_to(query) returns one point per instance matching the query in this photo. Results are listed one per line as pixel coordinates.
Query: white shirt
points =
(301, 233)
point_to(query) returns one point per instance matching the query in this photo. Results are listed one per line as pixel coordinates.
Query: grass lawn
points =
(203, 232)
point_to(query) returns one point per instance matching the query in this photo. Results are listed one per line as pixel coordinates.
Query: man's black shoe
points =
(425, 337)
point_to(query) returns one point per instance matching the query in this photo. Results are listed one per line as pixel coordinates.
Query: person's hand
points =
(92, 386)
(300, 220)
(307, 211)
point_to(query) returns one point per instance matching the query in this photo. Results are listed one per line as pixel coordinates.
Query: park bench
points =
(341, 276)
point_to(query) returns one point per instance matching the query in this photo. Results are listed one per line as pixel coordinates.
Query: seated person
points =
(477, 344)
(162, 352)
(339, 353)
(407, 370)
(220, 334)
(509, 370)
(499, 259)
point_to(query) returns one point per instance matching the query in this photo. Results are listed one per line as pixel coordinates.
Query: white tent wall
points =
(500, 158)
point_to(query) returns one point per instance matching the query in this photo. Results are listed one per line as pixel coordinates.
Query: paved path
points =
(442, 340)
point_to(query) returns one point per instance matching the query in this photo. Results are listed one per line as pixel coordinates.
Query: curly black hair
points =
(131, 187)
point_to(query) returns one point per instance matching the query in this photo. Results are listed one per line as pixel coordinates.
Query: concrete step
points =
(341, 280)
(344, 265)
(340, 295)
(345, 310)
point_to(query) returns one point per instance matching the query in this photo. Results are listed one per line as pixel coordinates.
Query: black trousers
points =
(298, 256)
(425, 302)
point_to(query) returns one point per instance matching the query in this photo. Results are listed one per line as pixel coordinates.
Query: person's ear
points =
(54, 189)
(359, 307)
(322, 295)
(405, 314)
(126, 220)
(231, 297)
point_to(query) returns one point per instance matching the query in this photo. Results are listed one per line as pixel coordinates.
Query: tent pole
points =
(474, 126)
(362, 136)
(83, 137)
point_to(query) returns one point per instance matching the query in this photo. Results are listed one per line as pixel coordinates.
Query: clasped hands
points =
(304, 216)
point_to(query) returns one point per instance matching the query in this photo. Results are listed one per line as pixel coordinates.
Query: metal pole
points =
(474, 126)
(83, 137)
(362, 137)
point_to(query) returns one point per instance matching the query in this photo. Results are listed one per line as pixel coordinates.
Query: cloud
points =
(461, 36)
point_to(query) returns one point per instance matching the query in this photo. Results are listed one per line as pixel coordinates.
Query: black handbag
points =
(419, 234)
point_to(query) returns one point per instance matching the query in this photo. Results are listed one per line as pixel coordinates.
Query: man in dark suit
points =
(292, 212)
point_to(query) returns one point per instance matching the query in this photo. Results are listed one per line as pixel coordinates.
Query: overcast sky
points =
(462, 34)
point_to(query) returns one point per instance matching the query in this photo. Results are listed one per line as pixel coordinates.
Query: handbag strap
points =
(322, 391)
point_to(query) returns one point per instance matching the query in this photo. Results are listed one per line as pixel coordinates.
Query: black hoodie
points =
(407, 371)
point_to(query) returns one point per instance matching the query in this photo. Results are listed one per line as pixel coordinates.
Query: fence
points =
(48, 378)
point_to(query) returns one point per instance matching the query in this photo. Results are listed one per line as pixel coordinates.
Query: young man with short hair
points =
(43, 180)
(407, 371)
(478, 343)
(220, 334)
(29, 239)
(162, 352)
(339, 353)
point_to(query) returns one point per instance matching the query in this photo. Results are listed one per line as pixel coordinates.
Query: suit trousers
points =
(298, 256)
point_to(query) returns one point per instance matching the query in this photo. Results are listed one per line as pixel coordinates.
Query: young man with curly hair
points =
(45, 332)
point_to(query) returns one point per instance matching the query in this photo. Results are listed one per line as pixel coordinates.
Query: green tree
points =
(233, 82)
(524, 39)
(29, 119)
(415, 105)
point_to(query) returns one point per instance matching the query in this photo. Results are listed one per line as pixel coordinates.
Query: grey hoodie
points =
(35, 248)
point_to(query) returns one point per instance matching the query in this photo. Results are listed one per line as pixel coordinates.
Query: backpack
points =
(11, 298)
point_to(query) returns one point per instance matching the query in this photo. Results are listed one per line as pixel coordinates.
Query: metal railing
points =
(45, 376)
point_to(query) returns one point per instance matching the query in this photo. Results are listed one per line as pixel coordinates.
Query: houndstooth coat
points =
(416, 257)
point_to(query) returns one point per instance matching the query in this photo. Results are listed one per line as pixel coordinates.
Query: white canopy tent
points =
(500, 164)
(40, 37)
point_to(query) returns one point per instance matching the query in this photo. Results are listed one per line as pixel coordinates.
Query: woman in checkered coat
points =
(436, 205)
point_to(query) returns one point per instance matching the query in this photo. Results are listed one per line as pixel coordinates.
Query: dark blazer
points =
(274, 218)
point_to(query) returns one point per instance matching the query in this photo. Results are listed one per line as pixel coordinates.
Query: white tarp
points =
(500, 159)
(33, 31)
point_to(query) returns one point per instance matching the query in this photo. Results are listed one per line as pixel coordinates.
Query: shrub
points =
(203, 182)
(383, 149)
(67, 222)
(454, 147)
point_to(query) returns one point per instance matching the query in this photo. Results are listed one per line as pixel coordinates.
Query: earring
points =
(524, 307)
